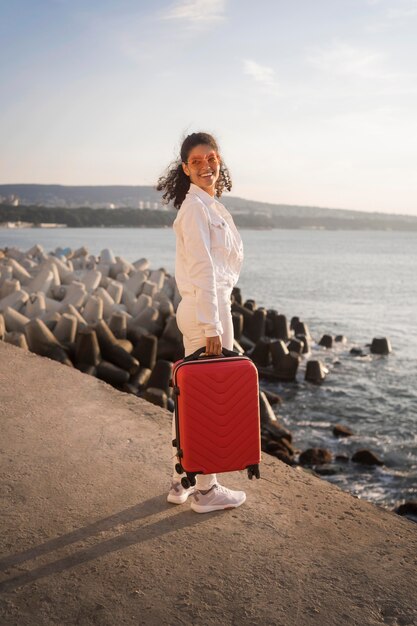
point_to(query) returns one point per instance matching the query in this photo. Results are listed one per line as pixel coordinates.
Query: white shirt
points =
(209, 255)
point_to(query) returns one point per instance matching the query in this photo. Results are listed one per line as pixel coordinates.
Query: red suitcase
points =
(216, 415)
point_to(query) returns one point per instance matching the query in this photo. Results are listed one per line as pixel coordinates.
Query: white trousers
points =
(193, 338)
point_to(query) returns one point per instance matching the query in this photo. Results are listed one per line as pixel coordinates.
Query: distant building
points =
(12, 200)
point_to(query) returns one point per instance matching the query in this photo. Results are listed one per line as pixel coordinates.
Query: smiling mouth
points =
(206, 175)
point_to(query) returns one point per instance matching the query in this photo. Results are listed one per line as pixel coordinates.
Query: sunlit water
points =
(360, 284)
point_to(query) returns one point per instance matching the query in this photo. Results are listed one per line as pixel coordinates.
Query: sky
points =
(312, 102)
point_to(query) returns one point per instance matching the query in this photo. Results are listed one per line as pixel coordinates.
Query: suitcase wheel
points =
(185, 482)
(253, 470)
(179, 468)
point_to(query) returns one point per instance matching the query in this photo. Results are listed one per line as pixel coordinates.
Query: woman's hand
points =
(214, 345)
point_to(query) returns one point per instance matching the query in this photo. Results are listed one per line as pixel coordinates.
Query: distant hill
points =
(43, 203)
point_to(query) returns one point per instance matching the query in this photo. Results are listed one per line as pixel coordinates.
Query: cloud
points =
(197, 13)
(346, 60)
(261, 73)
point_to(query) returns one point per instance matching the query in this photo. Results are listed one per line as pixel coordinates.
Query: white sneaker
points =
(216, 499)
(177, 494)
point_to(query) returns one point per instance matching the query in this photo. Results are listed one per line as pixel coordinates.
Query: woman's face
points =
(203, 167)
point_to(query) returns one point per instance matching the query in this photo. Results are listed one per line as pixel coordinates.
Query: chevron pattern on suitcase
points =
(219, 416)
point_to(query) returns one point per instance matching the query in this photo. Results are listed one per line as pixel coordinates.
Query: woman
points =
(209, 256)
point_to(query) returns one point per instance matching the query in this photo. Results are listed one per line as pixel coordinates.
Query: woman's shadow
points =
(173, 519)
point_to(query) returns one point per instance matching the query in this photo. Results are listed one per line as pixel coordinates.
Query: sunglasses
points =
(196, 162)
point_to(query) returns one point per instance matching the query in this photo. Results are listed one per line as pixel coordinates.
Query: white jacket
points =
(209, 255)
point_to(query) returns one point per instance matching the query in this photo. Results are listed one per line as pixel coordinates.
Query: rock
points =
(366, 457)
(342, 431)
(328, 469)
(340, 339)
(408, 509)
(356, 351)
(341, 458)
(270, 426)
(315, 456)
(272, 397)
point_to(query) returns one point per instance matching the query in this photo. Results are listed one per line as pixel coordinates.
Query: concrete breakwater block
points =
(305, 342)
(6, 273)
(156, 396)
(285, 364)
(93, 309)
(42, 341)
(14, 320)
(145, 350)
(237, 319)
(118, 324)
(66, 328)
(17, 339)
(300, 328)
(2, 327)
(87, 349)
(295, 345)
(315, 372)
(35, 305)
(110, 373)
(326, 341)
(15, 300)
(19, 272)
(161, 376)
(10, 285)
(261, 354)
(280, 328)
(112, 350)
(381, 345)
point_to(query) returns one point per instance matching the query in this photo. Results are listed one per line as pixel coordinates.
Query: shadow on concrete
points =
(173, 520)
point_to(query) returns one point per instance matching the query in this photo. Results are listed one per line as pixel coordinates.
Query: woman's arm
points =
(195, 231)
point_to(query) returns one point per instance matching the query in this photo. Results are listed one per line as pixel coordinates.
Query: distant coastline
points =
(114, 206)
(87, 217)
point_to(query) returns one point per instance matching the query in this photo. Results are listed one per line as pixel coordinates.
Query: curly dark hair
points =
(175, 183)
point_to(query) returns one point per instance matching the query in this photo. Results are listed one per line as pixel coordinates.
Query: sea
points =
(361, 284)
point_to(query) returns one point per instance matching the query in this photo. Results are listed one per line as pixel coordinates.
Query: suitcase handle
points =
(198, 353)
